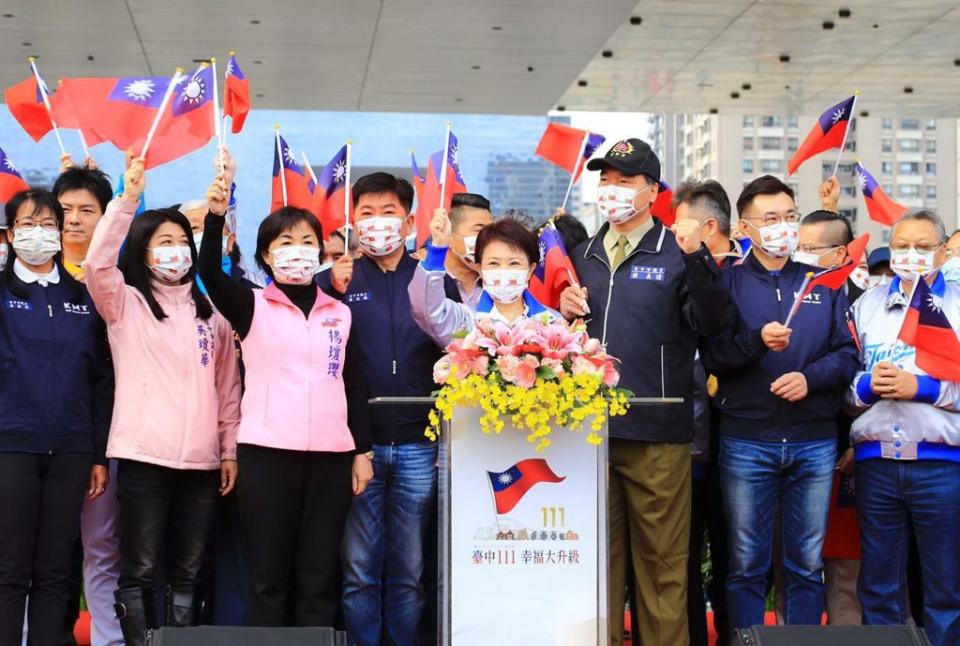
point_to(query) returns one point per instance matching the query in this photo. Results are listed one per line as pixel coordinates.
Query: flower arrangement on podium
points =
(537, 374)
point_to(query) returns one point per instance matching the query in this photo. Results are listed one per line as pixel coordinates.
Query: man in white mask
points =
(951, 268)
(650, 292)
(824, 236)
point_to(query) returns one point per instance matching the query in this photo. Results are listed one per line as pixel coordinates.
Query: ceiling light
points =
(254, 22)
(864, 113)
(827, 25)
(582, 83)
(607, 53)
(714, 111)
(529, 68)
(746, 86)
(635, 20)
(844, 13)
(908, 90)
(497, 28)
(734, 95)
(561, 108)
(784, 58)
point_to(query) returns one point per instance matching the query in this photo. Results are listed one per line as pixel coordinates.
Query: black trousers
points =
(165, 517)
(293, 507)
(40, 501)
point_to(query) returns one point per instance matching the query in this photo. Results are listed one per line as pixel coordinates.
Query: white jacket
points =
(927, 427)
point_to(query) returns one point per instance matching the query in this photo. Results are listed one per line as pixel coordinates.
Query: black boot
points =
(136, 613)
(180, 613)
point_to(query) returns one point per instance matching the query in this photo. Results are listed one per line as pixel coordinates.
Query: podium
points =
(522, 534)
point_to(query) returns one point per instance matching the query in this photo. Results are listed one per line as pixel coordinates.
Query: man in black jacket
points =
(649, 292)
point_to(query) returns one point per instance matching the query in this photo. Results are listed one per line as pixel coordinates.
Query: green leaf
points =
(546, 372)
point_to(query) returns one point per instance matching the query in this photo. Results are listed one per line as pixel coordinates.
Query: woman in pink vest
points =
(176, 408)
(303, 446)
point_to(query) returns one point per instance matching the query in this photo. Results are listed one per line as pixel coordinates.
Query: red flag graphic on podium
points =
(511, 485)
(828, 132)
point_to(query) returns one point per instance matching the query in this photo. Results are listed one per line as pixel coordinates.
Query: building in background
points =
(915, 160)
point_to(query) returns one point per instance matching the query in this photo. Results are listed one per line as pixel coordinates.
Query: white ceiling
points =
(378, 55)
(690, 55)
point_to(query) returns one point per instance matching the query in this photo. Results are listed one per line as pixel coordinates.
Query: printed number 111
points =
(550, 516)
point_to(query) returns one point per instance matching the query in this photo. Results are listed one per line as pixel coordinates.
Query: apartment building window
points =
(931, 168)
(771, 165)
(931, 145)
(747, 121)
(931, 192)
(771, 143)
(886, 145)
(792, 143)
(770, 122)
(909, 168)
(794, 187)
(909, 124)
(849, 191)
(931, 124)
(886, 168)
(792, 122)
(909, 190)
(888, 189)
(886, 123)
(909, 145)
(689, 138)
(748, 166)
(748, 143)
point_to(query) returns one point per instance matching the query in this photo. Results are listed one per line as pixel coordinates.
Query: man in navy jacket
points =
(779, 393)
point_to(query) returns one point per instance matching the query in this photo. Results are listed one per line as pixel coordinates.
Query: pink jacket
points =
(177, 383)
(295, 397)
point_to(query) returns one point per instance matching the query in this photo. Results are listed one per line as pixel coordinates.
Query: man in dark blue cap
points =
(650, 292)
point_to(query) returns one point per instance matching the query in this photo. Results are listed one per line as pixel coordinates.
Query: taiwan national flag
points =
(236, 95)
(927, 329)
(426, 197)
(662, 207)
(454, 183)
(331, 194)
(561, 145)
(298, 190)
(25, 103)
(880, 207)
(67, 115)
(554, 272)
(511, 485)
(11, 182)
(829, 132)
(836, 278)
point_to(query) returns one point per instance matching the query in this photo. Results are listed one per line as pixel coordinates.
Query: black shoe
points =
(180, 611)
(136, 613)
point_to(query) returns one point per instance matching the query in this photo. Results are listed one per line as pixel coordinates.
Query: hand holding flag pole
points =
(217, 130)
(174, 81)
(843, 144)
(443, 163)
(46, 103)
(799, 298)
(576, 169)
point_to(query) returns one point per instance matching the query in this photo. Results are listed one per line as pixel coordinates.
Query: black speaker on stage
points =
(832, 636)
(243, 636)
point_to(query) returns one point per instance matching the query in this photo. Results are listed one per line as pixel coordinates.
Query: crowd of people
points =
(189, 446)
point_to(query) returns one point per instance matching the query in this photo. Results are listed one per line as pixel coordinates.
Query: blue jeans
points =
(383, 546)
(758, 478)
(892, 495)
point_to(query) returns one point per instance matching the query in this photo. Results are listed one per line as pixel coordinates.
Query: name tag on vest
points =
(14, 304)
(358, 297)
(639, 272)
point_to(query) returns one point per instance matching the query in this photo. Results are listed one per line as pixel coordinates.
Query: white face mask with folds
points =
(469, 249)
(949, 269)
(296, 264)
(505, 285)
(912, 264)
(171, 263)
(618, 203)
(779, 240)
(36, 245)
(380, 235)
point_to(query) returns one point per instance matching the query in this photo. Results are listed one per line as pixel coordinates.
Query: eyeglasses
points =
(813, 249)
(29, 223)
(772, 219)
(919, 248)
(953, 253)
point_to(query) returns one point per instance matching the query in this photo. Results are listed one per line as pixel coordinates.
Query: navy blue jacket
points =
(821, 347)
(56, 382)
(398, 356)
(649, 313)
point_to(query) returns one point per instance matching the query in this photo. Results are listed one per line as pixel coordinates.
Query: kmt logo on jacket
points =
(330, 321)
(74, 308)
(812, 298)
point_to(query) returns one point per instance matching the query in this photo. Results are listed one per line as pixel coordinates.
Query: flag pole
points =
(282, 170)
(843, 144)
(46, 103)
(799, 299)
(218, 132)
(576, 169)
(347, 198)
(306, 162)
(174, 81)
(443, 164)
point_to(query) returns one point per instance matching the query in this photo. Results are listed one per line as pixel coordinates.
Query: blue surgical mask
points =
(951, 271)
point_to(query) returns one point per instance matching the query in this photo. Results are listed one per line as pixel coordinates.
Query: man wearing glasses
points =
(779, 393)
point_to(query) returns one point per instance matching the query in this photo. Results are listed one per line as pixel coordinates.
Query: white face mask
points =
(198, 240)
(949, 269)
(324, 267)
(36, 245)
(380, 235)
(505, 285)
(4, 251)
(469, 249)
(807, 258)
(876, 281)
(779, 240)
(860, 277)
(618, 203)
(911, 264)
(171, 263)
(296, 265)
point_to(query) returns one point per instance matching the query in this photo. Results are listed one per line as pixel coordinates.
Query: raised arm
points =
(104, 280)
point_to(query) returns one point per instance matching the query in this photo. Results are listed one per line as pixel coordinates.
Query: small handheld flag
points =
(290, 186)
(568, 147)
(926, 328)
(332, 195)
(555, 271)
(423, 214)
(879, 205)
(510, 486)
(236, 95)
(662, 207)
(830, 131)
(11, 182)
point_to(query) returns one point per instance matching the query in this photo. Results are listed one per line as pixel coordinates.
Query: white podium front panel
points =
(534, 574)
